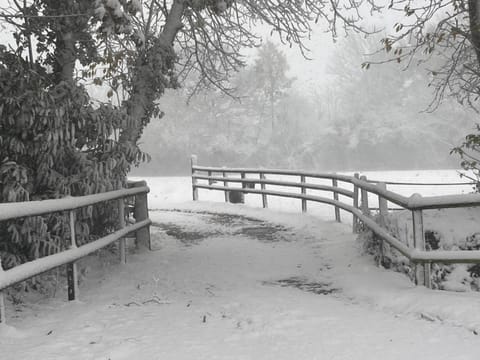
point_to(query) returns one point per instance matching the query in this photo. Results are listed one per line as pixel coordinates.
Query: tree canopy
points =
(56, 141)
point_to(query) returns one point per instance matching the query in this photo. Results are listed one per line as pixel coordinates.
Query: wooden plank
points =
(335, 197)
(194, 161)
(383, 213)
(419, 245)
(33, 208)
(303, 192)
(263, 188)
(364, 197)
(140, 213)
(317, 175)
(340, 191)
(225, 183)
(3, 312)
(355, 204)
(72, 281)
(72, 273)
(121, 224)
(382, 203)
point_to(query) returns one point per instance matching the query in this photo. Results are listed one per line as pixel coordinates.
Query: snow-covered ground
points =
(261, 285)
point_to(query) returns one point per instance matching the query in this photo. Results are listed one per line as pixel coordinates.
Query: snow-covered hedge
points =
(445, 229)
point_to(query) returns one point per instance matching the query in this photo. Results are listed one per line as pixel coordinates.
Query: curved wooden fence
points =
(135, 198)
(353, 201)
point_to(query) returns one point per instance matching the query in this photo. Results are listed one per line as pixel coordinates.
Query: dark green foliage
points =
(468, 151)
(389, 258)
(383, 254)
(472, 242)
(432, 240)
(55, 143)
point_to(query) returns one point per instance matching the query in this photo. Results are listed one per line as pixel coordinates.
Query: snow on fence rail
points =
(357, 205)
(137, 190)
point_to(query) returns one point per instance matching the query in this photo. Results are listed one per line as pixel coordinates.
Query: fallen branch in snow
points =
(132, 303)
(154, 299)
(429, 317)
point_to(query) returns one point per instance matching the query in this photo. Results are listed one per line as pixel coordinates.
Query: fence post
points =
(225, 184)
(121, 224)
(383, 212)
(243, 176)
(364, 198)
(335, 197)
(210, 181)
(3, 313)
(194, 161)
(304, 192)
(264, 196)
(72, 274)
(140, 212)
(382, 202)
(422, 270)
(355, 204)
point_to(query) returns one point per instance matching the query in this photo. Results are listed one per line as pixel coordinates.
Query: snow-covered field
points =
(267, 284)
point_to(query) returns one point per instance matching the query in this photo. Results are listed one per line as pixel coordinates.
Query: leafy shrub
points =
(383, 254)
(455, 277)
(54, 143)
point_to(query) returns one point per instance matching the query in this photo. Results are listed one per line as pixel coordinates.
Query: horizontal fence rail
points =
(423, 183)
(33, 208)
(357, 205)
(134, 198)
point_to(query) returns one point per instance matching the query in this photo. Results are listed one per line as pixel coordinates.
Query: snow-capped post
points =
(244, 185)
(140, 213)
(382, 203)
(210, 181)
(264, 196)
(422, 270)
(72, 275)
(364, 198)
(121, 224)
(383, 212)
(194, 161)
(3, 314)
(355, 204)
(304, 192)
(335, 197)
(225, 184)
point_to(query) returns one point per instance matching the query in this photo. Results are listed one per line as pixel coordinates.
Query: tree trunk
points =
(65, 56)
(474, 15)
(145, 88)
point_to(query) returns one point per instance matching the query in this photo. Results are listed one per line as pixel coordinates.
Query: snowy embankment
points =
(257, 285)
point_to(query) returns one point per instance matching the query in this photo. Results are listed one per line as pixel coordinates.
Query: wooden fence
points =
(353, 201)
(135, 197)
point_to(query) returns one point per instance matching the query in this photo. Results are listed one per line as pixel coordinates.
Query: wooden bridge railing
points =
(137, 191)
(356, 204)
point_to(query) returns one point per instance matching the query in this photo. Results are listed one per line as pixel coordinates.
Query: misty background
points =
(324, 114)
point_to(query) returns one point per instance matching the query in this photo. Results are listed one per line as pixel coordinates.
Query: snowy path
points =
(223, 287)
